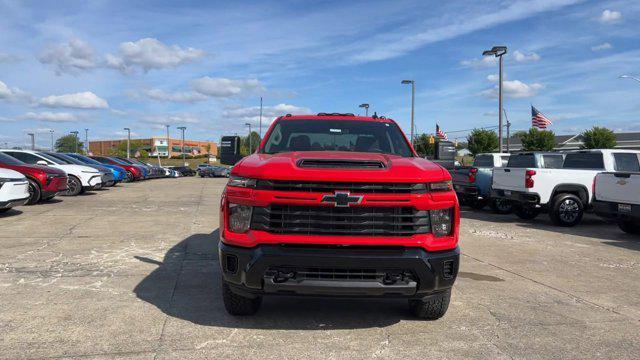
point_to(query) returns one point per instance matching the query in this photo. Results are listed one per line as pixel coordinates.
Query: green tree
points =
(423, 146)
(482, 141)
(67, 143)
(537, 140)
(244, 144)
(598, 138)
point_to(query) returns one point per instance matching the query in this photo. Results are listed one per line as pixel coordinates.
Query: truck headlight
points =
(241, 182)
(440, 186)
(239, 218)
(441, 222)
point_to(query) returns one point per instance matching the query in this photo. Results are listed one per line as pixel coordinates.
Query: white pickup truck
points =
(617, 196)
(566, 191)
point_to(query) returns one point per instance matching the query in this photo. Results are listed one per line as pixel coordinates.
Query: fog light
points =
(441, 222)
(239, 218)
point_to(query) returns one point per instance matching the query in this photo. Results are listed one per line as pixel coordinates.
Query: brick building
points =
(158, 146)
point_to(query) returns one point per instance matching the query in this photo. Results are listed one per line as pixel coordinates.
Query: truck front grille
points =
(326, 220)
(321, 186)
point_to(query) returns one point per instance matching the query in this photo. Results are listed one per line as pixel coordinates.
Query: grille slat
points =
(305, 186)
(285, 219)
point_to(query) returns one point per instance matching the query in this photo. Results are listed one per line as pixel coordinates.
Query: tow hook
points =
(392, 278)
(283, 276)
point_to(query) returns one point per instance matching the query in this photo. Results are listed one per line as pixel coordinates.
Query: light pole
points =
(250, 145)
(413, 99)
(51, 131)
(260, 124)
(75, 138)
(183, 128)
(128, 142)
(168, 148)
(498, 51)
(33, 140)
(366, 108)
(86, 141)
(629, 77)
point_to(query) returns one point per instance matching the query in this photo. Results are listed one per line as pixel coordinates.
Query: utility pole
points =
(75, 138)
(250, 145)
(33, 140)
(128, 142)
(413, 100)
(260, 124)
(499, 52)
(52, 146)
(86, 141)
(508, 128)
(183, 128)
(168, 148)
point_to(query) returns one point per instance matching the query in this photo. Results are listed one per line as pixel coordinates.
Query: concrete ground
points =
(131, 272)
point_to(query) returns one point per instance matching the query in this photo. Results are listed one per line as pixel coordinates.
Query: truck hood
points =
(285, 166)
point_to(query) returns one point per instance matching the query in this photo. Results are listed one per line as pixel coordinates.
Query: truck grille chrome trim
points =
(324, 220)
(354, 187)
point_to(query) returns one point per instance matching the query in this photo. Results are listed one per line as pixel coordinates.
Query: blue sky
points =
(106, 65)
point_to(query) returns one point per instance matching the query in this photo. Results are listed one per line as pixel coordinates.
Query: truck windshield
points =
(337, 135)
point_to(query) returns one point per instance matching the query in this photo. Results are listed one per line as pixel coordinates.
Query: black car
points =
(214, 171)
(184, 170)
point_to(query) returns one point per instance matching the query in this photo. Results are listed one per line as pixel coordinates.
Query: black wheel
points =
(34, 192)
(526, 212)
(501, 206)
(237, 304)
(567, 210)
(478, 204)
(629, 226)
(130, 177)
(74, 186)
(432, 307)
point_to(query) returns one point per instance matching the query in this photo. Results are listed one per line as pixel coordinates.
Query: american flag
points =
(538, 119)
(441, 134)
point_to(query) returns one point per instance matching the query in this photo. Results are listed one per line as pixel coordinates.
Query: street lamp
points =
(33, 140)
(629, 77)
(51, 131)
(260, 123)
(183, 128)
(75, 138)
(250, 145)
(413, 99)
(128, 142)
(168, 149)
(498, 51)
(86, 141)
(366, 108)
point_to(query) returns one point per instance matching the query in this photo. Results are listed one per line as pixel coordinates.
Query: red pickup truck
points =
(338, 205)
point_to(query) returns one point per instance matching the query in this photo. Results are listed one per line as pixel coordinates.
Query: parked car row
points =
(566, 185)
(28, 177)
(207, 170)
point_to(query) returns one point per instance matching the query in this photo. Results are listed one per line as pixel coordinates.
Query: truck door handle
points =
(507, 170)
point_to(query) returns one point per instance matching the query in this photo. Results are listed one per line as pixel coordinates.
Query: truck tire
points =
(34, 192)
(237, 304)
(501, 206)
(74, 186)
(567, 210)
(478, 204)
(629, 226)
(526, 212)
(432, 307)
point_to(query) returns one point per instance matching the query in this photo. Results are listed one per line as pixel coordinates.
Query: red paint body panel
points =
(39, 173)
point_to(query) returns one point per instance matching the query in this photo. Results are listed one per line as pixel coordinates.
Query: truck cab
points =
(338, 205)
(473, 183)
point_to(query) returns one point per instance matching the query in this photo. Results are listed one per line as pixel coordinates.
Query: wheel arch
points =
(578, 190)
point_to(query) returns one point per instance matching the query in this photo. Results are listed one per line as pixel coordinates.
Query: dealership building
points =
(158, 146)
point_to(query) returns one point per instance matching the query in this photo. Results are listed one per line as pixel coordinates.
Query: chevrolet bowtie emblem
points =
(342, 199)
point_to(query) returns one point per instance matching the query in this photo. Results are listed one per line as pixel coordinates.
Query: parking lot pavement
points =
(132, 273)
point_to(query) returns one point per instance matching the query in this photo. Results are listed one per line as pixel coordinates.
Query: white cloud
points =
(6, 119)
(5, 58)
(12, 93)
(83, 100)
(170, 119)
(603, 46)
(610, 16)
(73, 57)
(269, 113)
(483, 62)
(493, 78)
(150, 53)
(221, 87)
(522, 57)
(51, 116)
(514, 89)
(184, 96)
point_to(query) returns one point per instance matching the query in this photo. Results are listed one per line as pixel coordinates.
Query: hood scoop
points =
(341, 164)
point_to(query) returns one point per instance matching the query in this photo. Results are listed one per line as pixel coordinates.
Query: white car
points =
(14, 189)
(566, 190)
(81, 178)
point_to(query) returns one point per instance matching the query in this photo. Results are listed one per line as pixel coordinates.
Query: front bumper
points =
(338, 271)
(526, 198)
(14, 193)
(612, 210)
(13, 203)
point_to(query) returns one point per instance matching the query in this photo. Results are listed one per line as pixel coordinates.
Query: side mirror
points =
(42, 162)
